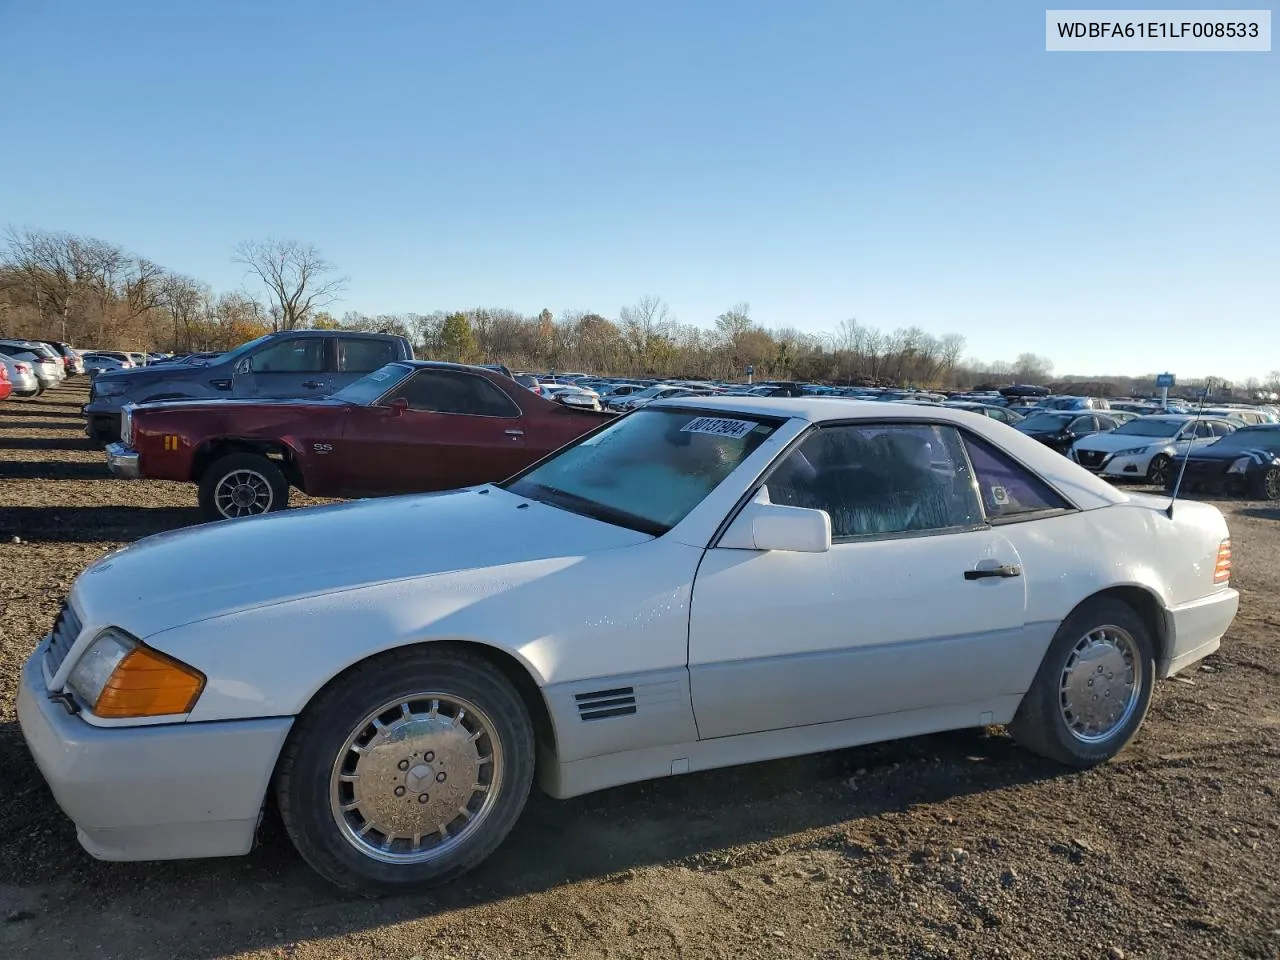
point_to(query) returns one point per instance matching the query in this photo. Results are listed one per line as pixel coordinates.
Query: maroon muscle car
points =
(410, 426)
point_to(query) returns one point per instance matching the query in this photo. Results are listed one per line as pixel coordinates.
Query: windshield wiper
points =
(587, 507)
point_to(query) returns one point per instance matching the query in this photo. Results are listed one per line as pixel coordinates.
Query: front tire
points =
(1267, 486)
(407, 771)
(1093, 687)
(242, 485)
(1158, 471)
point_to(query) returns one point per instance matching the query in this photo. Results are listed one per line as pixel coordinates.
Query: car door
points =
(1207, 431)
(456, 429)
(287, 367)
(918, 604)
(358, 355)
(1083, 426)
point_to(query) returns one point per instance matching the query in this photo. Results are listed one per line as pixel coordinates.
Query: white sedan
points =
(701, 583)
(1147, 448)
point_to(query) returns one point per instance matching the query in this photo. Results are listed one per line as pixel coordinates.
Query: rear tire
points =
(1093, 687)
(242, 485)
(383, 788)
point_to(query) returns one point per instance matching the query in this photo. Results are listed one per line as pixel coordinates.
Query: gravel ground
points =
(960, 845)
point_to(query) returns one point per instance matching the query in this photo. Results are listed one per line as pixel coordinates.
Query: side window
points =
(447, 391)
(297, 355)
(1221, 429)
(881, 479)
(1204, 429)
(1008, 489)
(1083, 425)
(365, 354)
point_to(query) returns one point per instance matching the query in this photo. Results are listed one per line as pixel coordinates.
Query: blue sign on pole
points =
(1164, 380)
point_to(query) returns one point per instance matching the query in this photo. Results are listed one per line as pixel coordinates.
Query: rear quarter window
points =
(1008, 489)
(365, 354)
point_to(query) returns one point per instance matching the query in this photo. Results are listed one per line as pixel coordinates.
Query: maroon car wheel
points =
(242, 485)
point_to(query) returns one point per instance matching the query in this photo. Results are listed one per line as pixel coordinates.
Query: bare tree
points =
(48, 268)
(644, 325)
(734, 322)
(298, 279)
(1031, 367)
(186, 301)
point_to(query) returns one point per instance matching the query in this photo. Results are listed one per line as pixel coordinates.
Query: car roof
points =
(447, 365)
(1080, 486)
(828, 409)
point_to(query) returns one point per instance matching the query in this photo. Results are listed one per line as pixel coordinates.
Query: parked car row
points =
(49, 362)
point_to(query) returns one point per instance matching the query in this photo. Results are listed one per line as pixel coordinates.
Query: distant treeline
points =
(92, 293)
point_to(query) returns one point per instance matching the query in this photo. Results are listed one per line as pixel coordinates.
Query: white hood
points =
(1111, 442)
(186, 575)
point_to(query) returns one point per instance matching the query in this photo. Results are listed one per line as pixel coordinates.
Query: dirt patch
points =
(959, 845)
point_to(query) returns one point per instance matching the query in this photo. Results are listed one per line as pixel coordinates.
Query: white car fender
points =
(625, 612)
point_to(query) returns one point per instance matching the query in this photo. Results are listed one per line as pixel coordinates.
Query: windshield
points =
(371, 386)
(241, 350)
(1150, 428)
(1042, 422)
(649, 392)
(647, 470)
(1247, 438)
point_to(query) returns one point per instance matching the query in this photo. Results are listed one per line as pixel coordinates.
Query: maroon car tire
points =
(242, 485)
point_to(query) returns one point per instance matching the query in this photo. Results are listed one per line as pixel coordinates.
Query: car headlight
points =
(1131, 452)
(1240, 466)
(118, 677)
(108, 388)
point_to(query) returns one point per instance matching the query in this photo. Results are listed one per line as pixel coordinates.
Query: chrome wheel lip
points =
(1101, 680)
(438, 703)
(243, 493)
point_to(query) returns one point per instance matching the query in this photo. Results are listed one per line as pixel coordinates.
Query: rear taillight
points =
(1222, 569)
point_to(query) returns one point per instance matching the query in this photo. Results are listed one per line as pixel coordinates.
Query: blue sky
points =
(925, 163)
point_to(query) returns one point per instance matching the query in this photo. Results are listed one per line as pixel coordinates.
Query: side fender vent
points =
(602, 704)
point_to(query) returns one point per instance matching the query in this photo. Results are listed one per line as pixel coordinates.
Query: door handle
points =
(1006, 570)
(515, 433)
(313, 384)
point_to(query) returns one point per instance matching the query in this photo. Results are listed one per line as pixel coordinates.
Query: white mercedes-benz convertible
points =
(701, 583)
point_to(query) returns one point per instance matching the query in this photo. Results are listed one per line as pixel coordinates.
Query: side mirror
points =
(397, 406)
(244, 365)
(763, 525)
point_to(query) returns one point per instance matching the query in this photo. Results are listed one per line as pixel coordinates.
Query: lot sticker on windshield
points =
(1000, 496)
(734, 429)
(381, 374)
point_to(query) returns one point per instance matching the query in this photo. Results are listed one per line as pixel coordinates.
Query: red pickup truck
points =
(410, 426)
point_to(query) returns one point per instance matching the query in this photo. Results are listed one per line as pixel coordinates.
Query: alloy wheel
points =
(243, 493)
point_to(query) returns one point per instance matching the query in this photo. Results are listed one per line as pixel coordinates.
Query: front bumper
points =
(123, 462)
(1196, 630)
(1133, 467)
(162, 792)
(102, 422)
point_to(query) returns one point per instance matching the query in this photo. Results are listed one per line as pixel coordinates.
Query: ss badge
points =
(322, 447)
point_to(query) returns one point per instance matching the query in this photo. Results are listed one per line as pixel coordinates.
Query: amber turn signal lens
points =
(1222, 569)
(148, 684)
